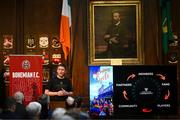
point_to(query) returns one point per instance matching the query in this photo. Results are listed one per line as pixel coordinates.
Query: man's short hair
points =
(70, 102)
(116, 11)
(34, 108)
(58, 113)
(19, 96)
(61, 65)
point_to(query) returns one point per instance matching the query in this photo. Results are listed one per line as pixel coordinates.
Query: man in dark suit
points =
(116, 38)
(20, 108)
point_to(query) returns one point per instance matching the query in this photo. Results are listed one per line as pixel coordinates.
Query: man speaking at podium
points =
(59, 88)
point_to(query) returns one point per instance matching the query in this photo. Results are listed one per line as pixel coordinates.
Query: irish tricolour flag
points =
(65, 28)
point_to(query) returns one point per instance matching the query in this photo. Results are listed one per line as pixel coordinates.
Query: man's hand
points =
(107, 36)
(60, 93)
(110, 39)
(114, 40)
(65, 92)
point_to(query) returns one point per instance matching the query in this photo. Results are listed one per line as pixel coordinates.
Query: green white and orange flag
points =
(65, 26)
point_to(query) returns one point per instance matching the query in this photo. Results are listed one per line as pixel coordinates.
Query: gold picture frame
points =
(100, 17)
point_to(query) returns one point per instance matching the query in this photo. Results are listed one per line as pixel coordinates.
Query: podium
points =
(56, 104)
(52, 104)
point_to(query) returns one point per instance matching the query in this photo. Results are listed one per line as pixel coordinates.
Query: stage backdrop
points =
(26, 76)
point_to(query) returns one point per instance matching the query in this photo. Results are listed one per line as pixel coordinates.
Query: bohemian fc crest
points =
(26, 64)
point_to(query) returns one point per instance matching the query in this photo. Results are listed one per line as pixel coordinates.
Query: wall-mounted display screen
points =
(134, 90)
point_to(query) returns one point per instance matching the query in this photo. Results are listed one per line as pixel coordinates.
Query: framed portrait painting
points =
(115, 33)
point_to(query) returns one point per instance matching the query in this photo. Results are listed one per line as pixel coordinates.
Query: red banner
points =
(26, 76)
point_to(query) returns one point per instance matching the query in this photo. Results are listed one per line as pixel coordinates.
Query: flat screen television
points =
(133, 90)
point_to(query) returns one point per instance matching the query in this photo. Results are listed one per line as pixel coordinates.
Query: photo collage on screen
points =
(101, 91)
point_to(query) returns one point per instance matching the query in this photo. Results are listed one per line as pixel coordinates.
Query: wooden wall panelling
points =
(151, 32)
(7, 27)
(19, 26)
(80, 50)
(176, 29)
